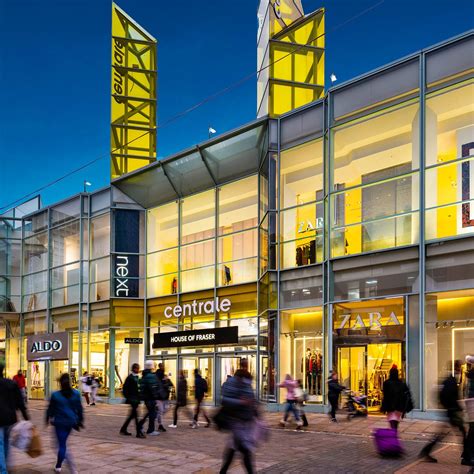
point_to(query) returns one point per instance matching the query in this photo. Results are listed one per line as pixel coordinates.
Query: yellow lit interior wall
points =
(446, 192)
(353, 214)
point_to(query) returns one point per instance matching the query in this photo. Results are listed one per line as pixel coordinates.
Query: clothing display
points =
(312, 370)
(306, 254)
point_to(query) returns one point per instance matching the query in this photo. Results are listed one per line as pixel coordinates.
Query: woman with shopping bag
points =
(65, 414)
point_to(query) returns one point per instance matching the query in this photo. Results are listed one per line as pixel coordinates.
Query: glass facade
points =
(338, 237)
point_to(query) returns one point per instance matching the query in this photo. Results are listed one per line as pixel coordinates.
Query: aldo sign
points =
(48, 346)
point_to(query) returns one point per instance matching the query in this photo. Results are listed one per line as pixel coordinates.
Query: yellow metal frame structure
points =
(133, 101)
(290, 60)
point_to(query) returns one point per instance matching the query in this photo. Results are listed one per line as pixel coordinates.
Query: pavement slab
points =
(344, 447)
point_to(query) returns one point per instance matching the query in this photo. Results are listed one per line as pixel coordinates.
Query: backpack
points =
(89, 381)
(204, 385)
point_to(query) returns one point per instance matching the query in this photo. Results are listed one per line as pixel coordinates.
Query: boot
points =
(305, 420)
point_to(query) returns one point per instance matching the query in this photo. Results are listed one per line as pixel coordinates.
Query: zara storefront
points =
(339, 236)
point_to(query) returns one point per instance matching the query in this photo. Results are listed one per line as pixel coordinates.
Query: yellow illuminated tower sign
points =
(133, 109)
(290, 56)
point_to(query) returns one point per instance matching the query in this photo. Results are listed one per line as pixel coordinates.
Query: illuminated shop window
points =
(380, 146)
(35, 253)
(449, 157)
(301, 235)
(301, 350)
(301, 174)
(162, 227)
(375, 216)
(100, 236)
(198, 220)
(449, 338)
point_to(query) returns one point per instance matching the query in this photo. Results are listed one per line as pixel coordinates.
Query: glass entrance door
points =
(188, 364)
(353, 368)
(364, 369)
(227, 366)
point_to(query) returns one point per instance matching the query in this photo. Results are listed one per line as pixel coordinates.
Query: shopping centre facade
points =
(338, 236)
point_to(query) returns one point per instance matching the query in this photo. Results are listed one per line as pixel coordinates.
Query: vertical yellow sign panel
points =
(133, 104)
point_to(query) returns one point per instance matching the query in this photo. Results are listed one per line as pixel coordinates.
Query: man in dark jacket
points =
(132, 397)
(334, 390)
(449, 397)
(181, 399)
(200, 390)
(149, 394)
(10, 401)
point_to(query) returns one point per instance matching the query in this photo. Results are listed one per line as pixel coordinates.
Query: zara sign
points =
(374, 320)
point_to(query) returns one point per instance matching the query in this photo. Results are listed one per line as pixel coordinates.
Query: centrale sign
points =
(198, 307)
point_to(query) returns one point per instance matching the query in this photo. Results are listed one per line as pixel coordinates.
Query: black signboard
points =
(126, 273)
(201, 337)
(134, 340)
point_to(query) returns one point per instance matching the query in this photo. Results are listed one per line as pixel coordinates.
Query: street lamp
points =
(86, 183)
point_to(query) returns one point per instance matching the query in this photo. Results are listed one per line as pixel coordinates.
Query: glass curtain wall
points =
(374, 198)
(301, 205)
(208, 239)
(449, 171)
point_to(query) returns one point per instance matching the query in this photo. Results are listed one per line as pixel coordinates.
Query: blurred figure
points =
(149, 394)
(164, 389)
(291, 386)
(397, 399)
(334, 390)
(132, 397)
(301, 397)
(20, 380)
(239, 399)
(181, 399)
(470, 411)
(94, 389)
(65, 414)
(449, 397)
(200, 390)
(86, 386)
(11, 400)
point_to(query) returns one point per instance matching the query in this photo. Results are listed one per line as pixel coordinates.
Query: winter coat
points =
(396, 396)
(182, 392)
(130, 390)
(449, 394)
(148, 386)
(290, 386)
(234, 391)
(20, 380)
(334, 389)
(11, 400)
(200, 387)
(65, 409)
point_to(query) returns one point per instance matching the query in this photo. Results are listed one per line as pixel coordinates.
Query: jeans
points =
(175, 413)
(161, 407)
(151, 415)
(133, 415)
(334, 403)
(229, 456)
(4, 441)
(291, 406)
(62, 434)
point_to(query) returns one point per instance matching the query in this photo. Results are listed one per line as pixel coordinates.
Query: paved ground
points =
(326, 447)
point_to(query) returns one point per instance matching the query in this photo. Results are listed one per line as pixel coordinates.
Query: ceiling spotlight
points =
(437, 325)
(452, 324)
(445, 324)
(468, 323)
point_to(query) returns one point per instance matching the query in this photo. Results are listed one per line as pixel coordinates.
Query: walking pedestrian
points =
(449, 398)
(238, 398)
(163, 393)
(301, 397)
(20, 380)
(94, 389)
(181, 399)
(149, 394)
(291, 386)
(86, 386)
(334, 391)
(470, 411)
(65, 414)
(200, 390)
(397, 399)
(132, 397)
(11, 400)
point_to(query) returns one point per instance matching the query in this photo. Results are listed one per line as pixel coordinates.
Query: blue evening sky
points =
(55, 73)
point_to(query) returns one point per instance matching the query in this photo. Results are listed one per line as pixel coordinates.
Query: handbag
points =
(34, 450)
(222, 419)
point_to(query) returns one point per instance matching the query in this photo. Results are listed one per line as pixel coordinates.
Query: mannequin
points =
(307, 365)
